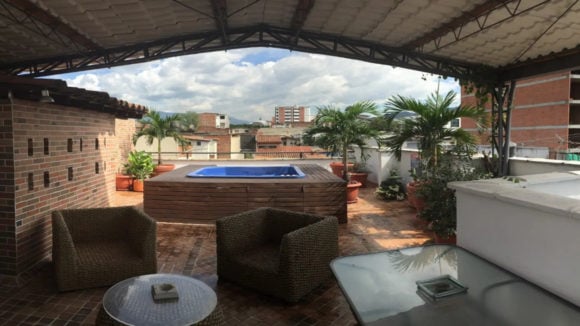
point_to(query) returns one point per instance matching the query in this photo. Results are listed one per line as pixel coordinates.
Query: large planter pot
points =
(338, 168)
(138, 185)
(162, 168)
(415, 201)
(359, 177)
(352, 192)
(123, 182)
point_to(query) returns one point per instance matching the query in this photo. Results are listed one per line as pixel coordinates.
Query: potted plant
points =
(123, 181)
(155, 127)
(392, 188)
(440, 211)
(337, 129)
(140, 166)
(428, 123)
(359, 170)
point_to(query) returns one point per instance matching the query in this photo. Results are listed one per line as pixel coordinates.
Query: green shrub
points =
(440, 202)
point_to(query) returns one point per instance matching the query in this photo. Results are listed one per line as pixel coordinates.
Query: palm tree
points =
(428, 123)
(336, 129)
(153, 126)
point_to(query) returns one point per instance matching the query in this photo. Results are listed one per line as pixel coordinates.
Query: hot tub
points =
(267, 172)
(529, 225)
(176, 196)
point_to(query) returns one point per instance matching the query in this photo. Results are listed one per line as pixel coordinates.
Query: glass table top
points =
(131, 302)
(382, 289)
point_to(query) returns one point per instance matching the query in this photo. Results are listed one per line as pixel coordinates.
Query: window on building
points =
(455, 123)
(198, 143)
(30, 147)
(30, 181)
(46, 179)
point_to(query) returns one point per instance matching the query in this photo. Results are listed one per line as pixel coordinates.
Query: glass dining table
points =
(444, 285)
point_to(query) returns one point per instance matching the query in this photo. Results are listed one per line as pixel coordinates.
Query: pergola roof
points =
(493, 39)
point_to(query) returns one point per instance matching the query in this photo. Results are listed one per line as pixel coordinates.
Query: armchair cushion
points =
(96, 247)
(277, 252)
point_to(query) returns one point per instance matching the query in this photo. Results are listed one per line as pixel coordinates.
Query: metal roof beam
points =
(457, 23)
(220, 13)
(459, 34)
(55, 24)
(301, 13)
(479, 14)
(260, 35)
(567, 60)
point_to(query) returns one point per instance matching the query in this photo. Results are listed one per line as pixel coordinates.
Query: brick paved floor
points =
(374, 225)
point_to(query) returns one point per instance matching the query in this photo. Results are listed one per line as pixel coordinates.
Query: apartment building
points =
(285, 115)
(546, 112)
(211, 122)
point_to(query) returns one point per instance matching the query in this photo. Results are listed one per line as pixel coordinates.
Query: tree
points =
(153, 126)
(428, 122)
(188, 121)
(335, 129)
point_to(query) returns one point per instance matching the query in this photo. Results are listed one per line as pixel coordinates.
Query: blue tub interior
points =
(278, 172)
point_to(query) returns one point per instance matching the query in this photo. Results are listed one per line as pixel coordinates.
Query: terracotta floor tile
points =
(374, 225)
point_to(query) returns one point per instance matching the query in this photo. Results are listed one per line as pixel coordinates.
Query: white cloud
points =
(249, 83)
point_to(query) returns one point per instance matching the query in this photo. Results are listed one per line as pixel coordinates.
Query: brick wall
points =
(64, 157)
(124, 131)
(7, 236)
(541, 112)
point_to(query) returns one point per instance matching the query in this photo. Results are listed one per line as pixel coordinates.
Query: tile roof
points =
(30, 89)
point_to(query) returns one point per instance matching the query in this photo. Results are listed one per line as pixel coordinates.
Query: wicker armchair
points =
(276, 252)
(97, 247)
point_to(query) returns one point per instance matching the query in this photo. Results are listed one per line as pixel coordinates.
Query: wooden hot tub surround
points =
(173, 197)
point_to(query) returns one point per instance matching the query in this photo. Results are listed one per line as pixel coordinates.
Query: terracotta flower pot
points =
(162, 168)
(338, 168)
(360, 177)
(138, 185)
(123, 182)
(415, 201)
(352, 192)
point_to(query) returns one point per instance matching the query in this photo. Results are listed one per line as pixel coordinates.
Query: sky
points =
(248, 84)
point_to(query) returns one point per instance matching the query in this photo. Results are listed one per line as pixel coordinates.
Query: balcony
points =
(373, 225)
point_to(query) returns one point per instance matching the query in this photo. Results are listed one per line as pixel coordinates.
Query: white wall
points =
(167, 145)
(531, 234)
(525, 166)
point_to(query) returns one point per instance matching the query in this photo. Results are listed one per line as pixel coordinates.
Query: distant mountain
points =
(234, 121)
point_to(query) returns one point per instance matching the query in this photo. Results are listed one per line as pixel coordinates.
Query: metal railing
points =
(204, 156)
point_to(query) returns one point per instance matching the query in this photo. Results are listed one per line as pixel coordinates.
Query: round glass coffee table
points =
(131, 301)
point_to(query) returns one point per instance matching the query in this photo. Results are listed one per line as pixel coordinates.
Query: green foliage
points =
(336, 130)
(188, 121)
(428, 124)
(440, 202)
(391, 189)
(139, 165)
(153, 126)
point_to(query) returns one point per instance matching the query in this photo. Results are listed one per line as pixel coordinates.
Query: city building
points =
(546, 112)
(210, 122)
(286, 115)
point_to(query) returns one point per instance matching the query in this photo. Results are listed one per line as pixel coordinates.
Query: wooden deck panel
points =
(173, 197)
